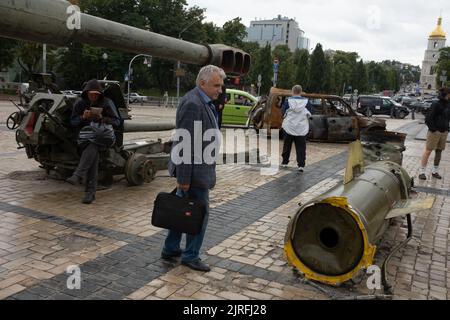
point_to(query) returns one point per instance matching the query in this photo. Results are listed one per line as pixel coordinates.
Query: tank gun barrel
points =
(49, 21)
(131, 126)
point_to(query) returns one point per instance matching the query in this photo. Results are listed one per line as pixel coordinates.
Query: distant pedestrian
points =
(437, 120)
(166, 99)
(295, 127)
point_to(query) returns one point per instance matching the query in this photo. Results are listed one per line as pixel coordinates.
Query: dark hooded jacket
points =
(109, 113)
(438, 117)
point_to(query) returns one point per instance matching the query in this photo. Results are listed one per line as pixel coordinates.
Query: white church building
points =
(436, 41)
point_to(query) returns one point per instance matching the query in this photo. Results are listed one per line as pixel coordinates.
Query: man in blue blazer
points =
(193, 161)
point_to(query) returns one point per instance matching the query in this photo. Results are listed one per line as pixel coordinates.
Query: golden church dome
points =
(438, 32)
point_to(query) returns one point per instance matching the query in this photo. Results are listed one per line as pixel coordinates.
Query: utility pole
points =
(44, 58)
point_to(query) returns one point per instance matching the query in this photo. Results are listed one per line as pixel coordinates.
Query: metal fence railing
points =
(162, 102)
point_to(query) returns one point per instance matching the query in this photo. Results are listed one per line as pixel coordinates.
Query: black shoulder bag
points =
(178, 214)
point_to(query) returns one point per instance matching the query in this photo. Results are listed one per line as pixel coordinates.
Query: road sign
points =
(276, 65)
(181, 73)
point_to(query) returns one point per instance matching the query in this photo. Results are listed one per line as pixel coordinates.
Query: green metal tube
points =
(131, 126)
(330, 239)
(46, 21)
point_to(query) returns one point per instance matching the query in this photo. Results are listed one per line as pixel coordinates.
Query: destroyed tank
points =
(42, 125)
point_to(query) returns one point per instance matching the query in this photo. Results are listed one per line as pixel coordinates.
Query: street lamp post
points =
(105, 59)
(44, 58)
(129, 71)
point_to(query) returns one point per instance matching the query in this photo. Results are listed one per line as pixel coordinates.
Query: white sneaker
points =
(284, 165)
(301, 169)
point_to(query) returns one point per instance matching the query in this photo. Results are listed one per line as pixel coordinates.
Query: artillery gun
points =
(42, 126)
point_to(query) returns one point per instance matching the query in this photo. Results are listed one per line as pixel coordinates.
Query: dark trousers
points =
(220, 118)
(88, 166)
(300, 148)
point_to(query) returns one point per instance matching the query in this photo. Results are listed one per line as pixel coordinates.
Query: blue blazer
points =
(197, 173)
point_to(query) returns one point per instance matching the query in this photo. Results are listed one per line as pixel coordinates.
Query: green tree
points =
(301, 67)
(263, 67)
(234, 32)
(7, 52)
(345, 70)
(317, 70)
(212, 33)
(29, 57)
(361, 81)
(443, 65)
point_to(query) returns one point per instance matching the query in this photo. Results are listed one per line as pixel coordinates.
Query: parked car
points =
(136, 98)
(407, 101)
(427, 105)
(347, 97)
(375, 105)
(332, 120)
(238, 106)
(417, 106)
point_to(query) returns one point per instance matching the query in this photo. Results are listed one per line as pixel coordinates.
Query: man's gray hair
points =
(297, 89)
(223, 74)
(207, 72)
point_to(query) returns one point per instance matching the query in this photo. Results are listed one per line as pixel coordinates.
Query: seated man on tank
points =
(96, 116)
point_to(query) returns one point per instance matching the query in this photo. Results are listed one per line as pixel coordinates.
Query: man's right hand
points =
(184, 187)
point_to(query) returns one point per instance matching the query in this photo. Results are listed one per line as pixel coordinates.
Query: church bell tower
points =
(436, 41)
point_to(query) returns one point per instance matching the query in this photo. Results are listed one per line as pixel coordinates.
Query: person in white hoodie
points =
(295, 127)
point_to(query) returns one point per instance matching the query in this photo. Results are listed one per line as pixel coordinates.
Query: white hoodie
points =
(296, 120)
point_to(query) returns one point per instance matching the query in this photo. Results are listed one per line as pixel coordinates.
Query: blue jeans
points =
(193, 243)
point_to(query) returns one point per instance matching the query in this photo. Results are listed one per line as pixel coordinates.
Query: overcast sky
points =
(376, 29)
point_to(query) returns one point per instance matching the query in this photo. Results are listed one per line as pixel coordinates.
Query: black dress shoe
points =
(89, 197)
(74, 180)
(197, 265)
(166, 256)
(437, 176)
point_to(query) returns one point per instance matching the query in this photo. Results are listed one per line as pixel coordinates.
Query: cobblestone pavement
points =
(44, 229)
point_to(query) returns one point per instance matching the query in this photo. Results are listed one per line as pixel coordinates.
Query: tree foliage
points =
(234, 32)
(301, 67)
(7, 48)
(317, 70)
(443, 65)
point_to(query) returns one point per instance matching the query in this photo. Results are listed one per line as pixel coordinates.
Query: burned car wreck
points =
(333, 119)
